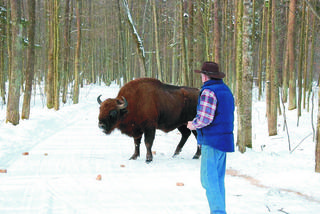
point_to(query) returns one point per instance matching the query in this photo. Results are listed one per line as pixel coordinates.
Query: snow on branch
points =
(137, 39)
(134, 30)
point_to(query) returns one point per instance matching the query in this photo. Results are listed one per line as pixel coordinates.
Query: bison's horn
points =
(99, 100)
(123, 104)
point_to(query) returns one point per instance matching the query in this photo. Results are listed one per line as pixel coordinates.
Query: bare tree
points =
(247, 79)
(66, 52)
(317, 150)
(272, 86)
(156, 40)
(291, 55)
(239, 69)
(29, 74)
(77, 55)
(137, 39)
(2, 51)
(183, 38)
(216, 32)
(15, 73)
(50, 74)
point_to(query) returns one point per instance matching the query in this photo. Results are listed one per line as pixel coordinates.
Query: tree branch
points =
(312, 9)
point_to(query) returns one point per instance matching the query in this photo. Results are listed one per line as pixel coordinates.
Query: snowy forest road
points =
(66, 153)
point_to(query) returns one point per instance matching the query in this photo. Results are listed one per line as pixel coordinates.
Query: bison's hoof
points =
(134, 157)
(196, 157)
(175, 154)
(148, 160)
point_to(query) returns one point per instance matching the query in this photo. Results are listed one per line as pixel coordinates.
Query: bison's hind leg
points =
(185, 132)
(198, 153)
(149, 135)
(136, 154)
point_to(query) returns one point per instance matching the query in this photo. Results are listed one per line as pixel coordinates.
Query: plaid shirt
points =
(206, 111)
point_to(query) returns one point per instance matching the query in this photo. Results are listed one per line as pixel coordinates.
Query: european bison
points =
(144, 105)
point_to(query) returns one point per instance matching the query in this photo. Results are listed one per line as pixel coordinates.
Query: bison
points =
(146, 104)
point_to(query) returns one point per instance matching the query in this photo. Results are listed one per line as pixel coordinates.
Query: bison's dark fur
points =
(144, 105)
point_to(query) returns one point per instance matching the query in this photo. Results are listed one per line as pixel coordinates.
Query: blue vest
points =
(219, 134)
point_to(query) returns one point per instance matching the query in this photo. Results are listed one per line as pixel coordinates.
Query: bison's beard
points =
(106, 128)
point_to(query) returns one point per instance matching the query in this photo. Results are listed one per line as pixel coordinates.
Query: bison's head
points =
(111, 111)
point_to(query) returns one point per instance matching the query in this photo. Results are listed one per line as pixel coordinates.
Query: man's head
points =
(211, 70)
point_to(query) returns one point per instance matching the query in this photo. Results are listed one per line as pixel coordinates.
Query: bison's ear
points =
(122, 103)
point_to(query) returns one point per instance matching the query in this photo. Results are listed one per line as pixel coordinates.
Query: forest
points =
(58, 46)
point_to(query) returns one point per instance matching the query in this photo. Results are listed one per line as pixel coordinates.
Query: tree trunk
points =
(56, 42)
(191, 42)
(317, 150)
(247, 79)
(239, 70)
(300, 61)
(285, 76)
(50, 75)
(216, 32)
(272, 116)
(2, 51)
(305, 60)
(15, 74)
(156, 40)
(261, 51)
(77, 55)
(66, 42)
(291, 54)
(183, 38)
(122, 44)
(30, 60)
(312, 52)
(285, 65)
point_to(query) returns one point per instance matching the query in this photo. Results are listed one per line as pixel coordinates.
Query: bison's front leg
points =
(136, 154)
(148, 139)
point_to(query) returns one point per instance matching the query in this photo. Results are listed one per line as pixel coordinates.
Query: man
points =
(214, 125)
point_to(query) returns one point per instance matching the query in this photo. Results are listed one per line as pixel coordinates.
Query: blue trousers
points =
(213, 169)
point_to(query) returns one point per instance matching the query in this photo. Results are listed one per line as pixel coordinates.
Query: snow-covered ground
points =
(67, 152)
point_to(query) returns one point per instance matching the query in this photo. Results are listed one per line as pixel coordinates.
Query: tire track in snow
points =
(257, 183)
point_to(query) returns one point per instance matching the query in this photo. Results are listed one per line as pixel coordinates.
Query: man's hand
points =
(190, 126)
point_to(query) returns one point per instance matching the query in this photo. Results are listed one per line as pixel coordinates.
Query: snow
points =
(67, 152)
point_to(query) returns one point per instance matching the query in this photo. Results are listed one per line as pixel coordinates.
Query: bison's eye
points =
(113, 114)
